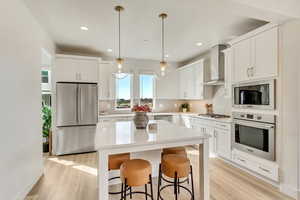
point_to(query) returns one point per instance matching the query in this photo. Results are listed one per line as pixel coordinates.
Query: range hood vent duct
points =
(217, 64)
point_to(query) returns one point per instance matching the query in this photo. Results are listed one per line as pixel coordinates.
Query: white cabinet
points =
(260, 166)
(88, 70)
(266, 54)
(106, 81)
(256, 57)
(76, 69)
(242, 60)
(206, 127)
(191, 82)
(223, 139)
(167, 86)
(186, 121)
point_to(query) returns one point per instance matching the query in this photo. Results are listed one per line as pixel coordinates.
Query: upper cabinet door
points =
(66, 70)
(182, 84)
(88, 70)
(167, 86)
(105, 76)
(266, 54)
(190, 82)
(242, 60)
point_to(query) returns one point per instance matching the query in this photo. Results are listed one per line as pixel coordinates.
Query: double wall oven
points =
(254, 134)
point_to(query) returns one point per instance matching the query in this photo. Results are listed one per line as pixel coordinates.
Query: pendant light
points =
(119, 60)
(163, 63)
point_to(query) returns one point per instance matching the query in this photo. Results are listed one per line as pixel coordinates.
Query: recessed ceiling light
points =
(84, 28)
(109, 50)
(199, 44)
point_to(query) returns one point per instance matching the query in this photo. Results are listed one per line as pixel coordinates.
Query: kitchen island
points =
(114, 137)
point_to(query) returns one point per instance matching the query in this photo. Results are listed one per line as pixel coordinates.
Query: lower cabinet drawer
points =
(241, 161)
(225, 126)
(266, 169)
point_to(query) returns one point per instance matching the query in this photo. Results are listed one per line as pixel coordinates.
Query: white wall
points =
(21, 40)
(289, 109)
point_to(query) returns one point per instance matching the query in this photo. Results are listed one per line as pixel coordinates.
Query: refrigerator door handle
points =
(79, 105)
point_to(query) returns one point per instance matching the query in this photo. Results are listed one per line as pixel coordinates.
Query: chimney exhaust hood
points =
(217, 64)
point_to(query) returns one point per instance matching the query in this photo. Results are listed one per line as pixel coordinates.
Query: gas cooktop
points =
(215, 116)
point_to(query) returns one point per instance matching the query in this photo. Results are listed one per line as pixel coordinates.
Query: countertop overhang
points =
(117, 134)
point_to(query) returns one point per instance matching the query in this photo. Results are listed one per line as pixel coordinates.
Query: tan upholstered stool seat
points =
(172, 163)
(174, 150)
(136, 172)
(115, 161)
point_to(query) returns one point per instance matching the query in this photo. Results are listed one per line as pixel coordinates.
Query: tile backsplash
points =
(221, 105)
(161, 105)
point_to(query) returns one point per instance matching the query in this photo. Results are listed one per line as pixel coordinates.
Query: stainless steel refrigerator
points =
(76, 117)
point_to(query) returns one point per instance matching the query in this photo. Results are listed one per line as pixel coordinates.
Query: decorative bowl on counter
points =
(141, 118)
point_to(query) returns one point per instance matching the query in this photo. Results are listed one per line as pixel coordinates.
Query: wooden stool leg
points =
(192, 180)
(159, 183)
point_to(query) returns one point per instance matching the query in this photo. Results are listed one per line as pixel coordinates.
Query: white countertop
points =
(194, 115)
(117, 134)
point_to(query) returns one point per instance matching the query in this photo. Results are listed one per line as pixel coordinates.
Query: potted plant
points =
(141, 118)
(185, 107)
(46, 116)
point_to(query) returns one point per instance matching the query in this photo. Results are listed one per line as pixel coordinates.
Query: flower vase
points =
(141, 120)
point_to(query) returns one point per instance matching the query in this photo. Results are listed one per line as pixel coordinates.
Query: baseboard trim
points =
(22, 195)
(289, 190)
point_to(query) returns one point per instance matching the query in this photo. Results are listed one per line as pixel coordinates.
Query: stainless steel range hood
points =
(217, 62)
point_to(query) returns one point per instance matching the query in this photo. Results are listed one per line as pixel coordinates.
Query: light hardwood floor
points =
(73, 177)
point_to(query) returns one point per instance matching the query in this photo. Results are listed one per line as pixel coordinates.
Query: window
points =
(123, 92)
(147, 90)
(46, 80)
(45, 76)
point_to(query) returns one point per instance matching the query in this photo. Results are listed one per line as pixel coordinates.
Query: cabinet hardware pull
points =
(241, 160)
(250, 150)
(252, 71)
(264, 169)
(248, 72)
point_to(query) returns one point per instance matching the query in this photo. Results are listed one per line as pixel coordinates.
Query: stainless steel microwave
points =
(257, 95)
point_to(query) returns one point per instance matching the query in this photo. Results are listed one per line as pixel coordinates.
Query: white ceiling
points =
(207, 21)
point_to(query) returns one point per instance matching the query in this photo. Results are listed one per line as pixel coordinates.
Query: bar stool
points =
(135, 173)
(114, 163)
(174, 150)
(175, 166)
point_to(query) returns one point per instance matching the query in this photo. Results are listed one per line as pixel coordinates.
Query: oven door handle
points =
(253, 124)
